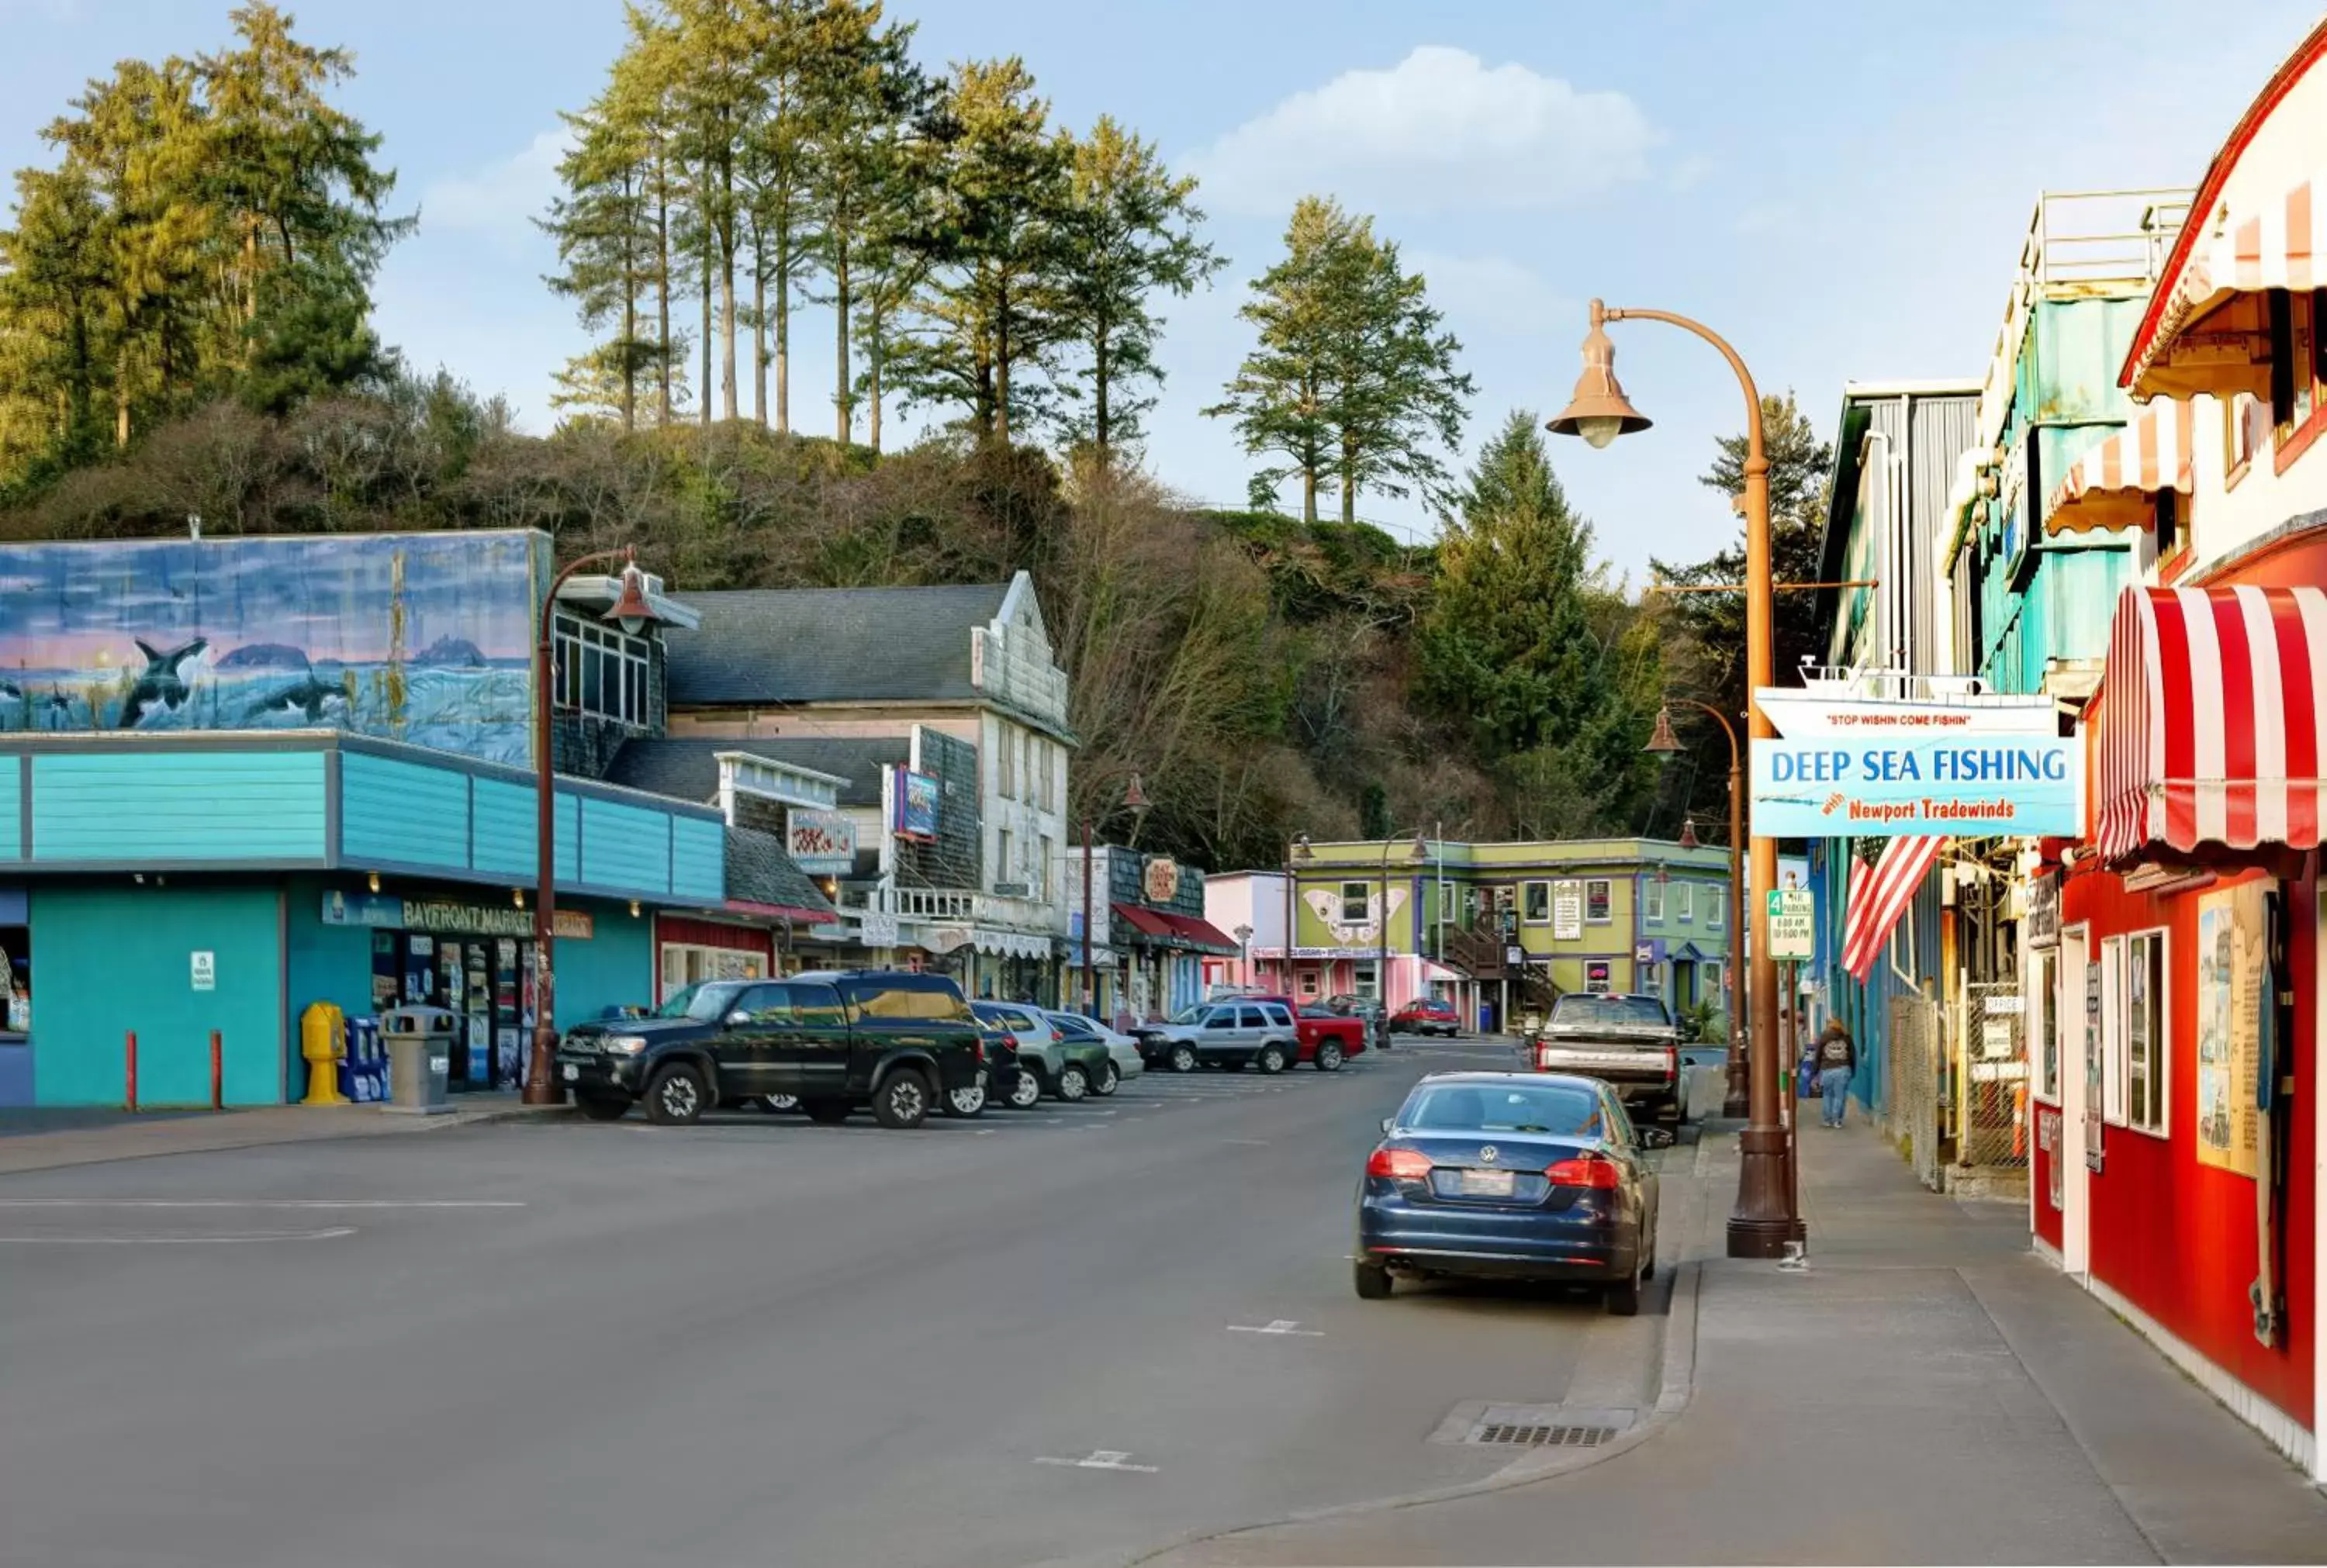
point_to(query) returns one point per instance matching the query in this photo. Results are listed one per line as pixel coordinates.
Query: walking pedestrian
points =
(1837, 1059)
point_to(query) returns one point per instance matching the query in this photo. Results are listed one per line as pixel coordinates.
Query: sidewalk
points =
(1928, 1391)
(40, 1140)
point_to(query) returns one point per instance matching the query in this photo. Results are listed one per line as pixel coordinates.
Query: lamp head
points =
(1598, 411)
(1687, 834)
(1664, 743)
(1134, 798)
(632, 611)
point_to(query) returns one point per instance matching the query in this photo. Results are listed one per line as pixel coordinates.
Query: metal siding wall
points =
(406, 812)
(624, 847)
(12, 808)
(1944, 429)
(506, 827)
(698, 868)
(567, 816)
(118, 959)
(209, 805)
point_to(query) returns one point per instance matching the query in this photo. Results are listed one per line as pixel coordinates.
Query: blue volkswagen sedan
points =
(1498, 1175)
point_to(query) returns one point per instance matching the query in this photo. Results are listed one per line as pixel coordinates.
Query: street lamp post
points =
(1243, 935)
(1764, 1220)
(1421, 848)
(631, 612)
(1295, 853)
(1737, 1101)
(1135, 799)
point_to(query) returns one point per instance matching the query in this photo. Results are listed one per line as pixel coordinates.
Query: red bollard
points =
(132, 1079)
(218, 1072)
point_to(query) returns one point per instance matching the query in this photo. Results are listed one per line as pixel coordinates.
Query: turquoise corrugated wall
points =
(12, 809)
(213, 806)
(114, 959)
(698, 859)
(624, 847)
(392, 810)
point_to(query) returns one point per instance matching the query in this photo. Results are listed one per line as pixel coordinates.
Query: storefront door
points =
(2080, 1083)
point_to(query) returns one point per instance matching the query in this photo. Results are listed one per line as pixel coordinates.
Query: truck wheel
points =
(1074, 1082)
(1111, 1078)
(1272, 1060)
(1183, 1059)
(1329, 1058)
(1372, 1281)
(605, 1107)
(1026, 1090)
(901, 1103)
(677, 1095)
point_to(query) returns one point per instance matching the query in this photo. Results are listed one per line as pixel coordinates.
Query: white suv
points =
(1229, 1033)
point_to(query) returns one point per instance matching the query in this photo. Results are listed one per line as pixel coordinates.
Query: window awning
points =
(2213, 710)
(2115, 484)
(1163, 929)
(2208, 327)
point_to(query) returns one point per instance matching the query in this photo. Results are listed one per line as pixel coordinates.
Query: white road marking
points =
(982, 1133)
(260, 1203)
(333, 1234)
(1247, 1142)
(1279, 1326)
(1106, 1459)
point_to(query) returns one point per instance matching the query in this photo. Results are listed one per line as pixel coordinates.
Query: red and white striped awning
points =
(2115, 484)
(2211, 330)
(2213, 710)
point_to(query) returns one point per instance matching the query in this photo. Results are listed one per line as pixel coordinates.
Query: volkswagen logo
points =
(1489, 1154)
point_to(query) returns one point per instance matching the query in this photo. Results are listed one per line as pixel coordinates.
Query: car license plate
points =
(1486, 1184)
(573, 1073)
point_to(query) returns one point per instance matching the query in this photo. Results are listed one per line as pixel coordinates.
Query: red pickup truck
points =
(1316, 1026)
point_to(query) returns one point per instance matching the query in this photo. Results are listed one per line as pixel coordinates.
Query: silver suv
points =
(1228, 1034)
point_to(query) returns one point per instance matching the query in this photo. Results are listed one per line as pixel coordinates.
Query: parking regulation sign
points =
(1792, 924)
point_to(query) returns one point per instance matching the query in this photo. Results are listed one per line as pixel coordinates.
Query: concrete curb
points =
(1677, 1380)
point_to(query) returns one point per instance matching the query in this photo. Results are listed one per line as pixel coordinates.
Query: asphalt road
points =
(756, 1341)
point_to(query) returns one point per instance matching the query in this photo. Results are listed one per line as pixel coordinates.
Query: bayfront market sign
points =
(1961, 786)
(385, 912)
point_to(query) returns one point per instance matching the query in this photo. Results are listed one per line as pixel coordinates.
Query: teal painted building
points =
(177, 885)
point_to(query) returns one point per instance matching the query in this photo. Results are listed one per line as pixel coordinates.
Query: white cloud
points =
(500, 201)
(1439, 130)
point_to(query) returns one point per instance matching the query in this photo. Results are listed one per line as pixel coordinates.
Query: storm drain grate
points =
(1543, 1436)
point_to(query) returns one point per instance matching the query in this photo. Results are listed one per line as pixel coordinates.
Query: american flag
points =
(1879, 895)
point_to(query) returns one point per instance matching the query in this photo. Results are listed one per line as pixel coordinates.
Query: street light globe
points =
(1598, 430)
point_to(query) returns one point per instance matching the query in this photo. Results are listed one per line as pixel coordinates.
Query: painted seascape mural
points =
(423, 638)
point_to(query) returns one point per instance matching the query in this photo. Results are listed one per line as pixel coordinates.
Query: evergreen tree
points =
(1352, 377)
(991, 312)
(606, 234)
(1129, 233)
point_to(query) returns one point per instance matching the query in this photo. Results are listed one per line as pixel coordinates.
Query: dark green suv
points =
(837, 1042)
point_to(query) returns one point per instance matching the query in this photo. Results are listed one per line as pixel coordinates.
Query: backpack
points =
(1834, 1051)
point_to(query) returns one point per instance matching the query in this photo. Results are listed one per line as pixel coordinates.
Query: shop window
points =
(1717, 907)
(1356, 899)
(1043, 873)
(1535, 902)
(600, 671)
(1684, 903)
(1598, 902)
(2145, 1031)
(2298, 369)
(1653, 900)
(1308, 985)
(684, 964)
(2246, 425)
(2044, 1025)
(1599, 978)
(1366, 978)
(1005, 863)
(1005, 764)
(16, 979)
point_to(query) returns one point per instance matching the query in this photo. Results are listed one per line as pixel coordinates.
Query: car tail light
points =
(1400, 1164)
(1543, 1058)
(1586, 1170)
(981, 1047)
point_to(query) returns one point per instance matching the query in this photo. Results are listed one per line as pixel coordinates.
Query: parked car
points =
(1326, 1039)
(1426, 1015)
(1627, 1041)
(1033, 1055)
(1121, 1049)
(1227, 1034)
(838, 1041)
(1369, 1008)
(1071, 1069)
(1503, 1175)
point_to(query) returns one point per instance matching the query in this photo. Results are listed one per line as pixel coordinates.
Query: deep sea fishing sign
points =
(1962, 786)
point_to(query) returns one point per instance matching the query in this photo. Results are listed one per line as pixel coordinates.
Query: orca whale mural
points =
(423, 638)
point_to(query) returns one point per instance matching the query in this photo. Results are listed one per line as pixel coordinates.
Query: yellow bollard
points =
(323, 1041)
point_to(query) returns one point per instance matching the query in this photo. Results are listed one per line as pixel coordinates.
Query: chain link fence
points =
(1993, 1134)
(1914, 1099)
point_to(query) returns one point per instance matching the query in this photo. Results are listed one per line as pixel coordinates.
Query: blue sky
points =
(1840, 189)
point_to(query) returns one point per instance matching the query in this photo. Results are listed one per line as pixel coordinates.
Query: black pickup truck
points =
(835, 1041)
